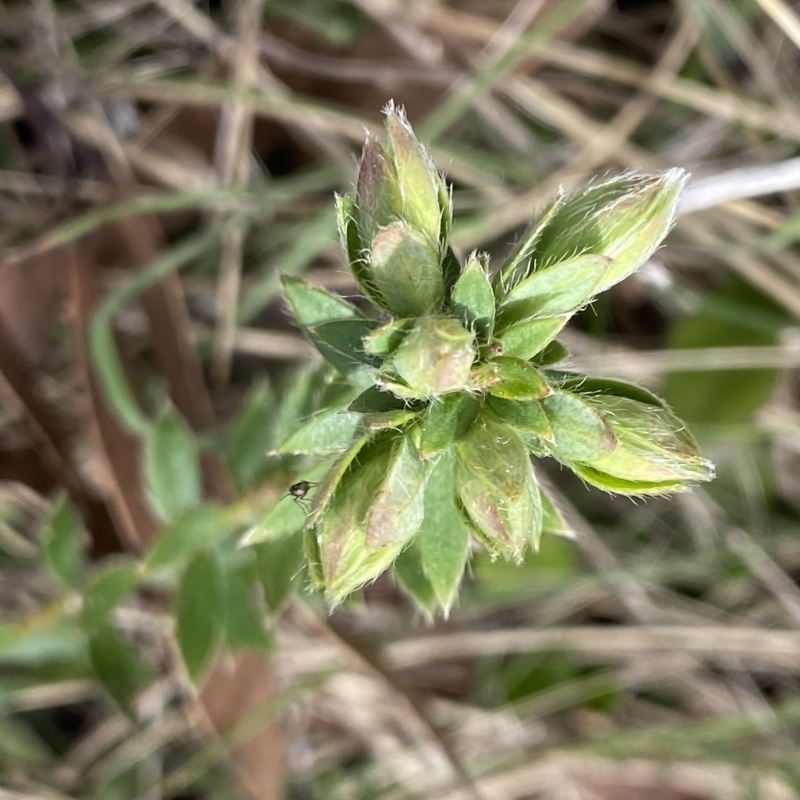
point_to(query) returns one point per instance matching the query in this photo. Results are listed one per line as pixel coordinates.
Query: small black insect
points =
(298, 491)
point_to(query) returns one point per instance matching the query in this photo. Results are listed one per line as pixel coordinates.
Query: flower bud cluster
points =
(457, 364)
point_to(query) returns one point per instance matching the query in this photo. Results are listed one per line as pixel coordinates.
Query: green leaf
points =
(312, 305)
(533, 444)
(326, 432)
(397, 508)
(345, 339)
(120, 785)
(118, 667)
(525, 416)
(447, 420)
(199, 612)
(735, 315)
(552, 354)
(615, 485)
(388, 380)
(106, 361)
(562, 288)
(515, 379)
(20, 746)
(446, 225)
(328, 484)
(250, 438)
(405, 268)
(526, 339)
(313, 555)
(653, 452)
(354, 565)
(517, 264)
(347, 562)
(341, 343)
(107, 589)
(63, 545)
(653, 445)
(354, 248)
(473, 299)
(300, 396)
(579, 432)
(385, 340)
(451, 266)
(497, 489)
(171, 467)
(181, 539)
(408, 571)
(244, 623)
(375, 400)
(279, 566)
(587, 385)
(387, 420)
(56, 645)
(553, 521)
(283, 519)
(520, 676)
(443, 539)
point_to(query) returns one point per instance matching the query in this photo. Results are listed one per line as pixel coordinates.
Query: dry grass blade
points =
(202, 29)
(646, 366)
(565, 774)
(232, 162)
(420, 722)
(738, 184)
(757, 270)
(759, 648)
(783, 16)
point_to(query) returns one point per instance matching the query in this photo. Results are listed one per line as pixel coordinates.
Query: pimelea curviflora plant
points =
(456, 367)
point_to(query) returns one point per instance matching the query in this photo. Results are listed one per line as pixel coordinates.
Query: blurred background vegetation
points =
(162, 162)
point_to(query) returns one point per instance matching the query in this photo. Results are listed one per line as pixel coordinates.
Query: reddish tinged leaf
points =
(378, 200)
(397, 510)
(497, 489)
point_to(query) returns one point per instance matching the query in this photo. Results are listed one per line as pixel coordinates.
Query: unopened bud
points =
(653, 445)
(378, 201)
(417, 177)
(435, 357)
(624, 218)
